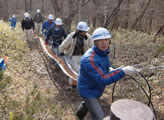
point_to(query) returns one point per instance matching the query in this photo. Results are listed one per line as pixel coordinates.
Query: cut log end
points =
(126, 109)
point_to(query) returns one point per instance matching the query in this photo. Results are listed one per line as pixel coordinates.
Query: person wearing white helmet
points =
(38, 11)
(38, 20)
(28, 25)
(58, 21)
(76, 44)
(47, 24)
(26, 14)
(13, 21)
(94, 75)
(57, 33)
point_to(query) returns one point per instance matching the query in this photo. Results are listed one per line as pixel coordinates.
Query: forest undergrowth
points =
(28, 93)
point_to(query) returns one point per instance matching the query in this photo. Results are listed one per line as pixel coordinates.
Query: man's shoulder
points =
(86, 57)
(53, 26)
(88, 34)
(28, 19)
(62, 28)
(71, 34)
(45, 22)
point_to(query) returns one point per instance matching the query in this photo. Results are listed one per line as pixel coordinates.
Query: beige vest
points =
(68, 45)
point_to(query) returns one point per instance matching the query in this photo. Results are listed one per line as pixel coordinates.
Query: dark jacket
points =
(57, 34)
(38, 18)
(94, 73)
(27, 23)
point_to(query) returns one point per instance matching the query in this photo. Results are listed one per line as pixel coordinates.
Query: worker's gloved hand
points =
(61, 54)
(129, 70)
(111, 69)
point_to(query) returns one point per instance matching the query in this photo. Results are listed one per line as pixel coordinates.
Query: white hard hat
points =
(101, 33)
(13, 16)
(38, 11)
(50, 17)
(26, 14)
(82, 26)
(58, 21)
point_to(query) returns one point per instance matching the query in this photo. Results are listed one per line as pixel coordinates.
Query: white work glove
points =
(129, 70)
(111, 69)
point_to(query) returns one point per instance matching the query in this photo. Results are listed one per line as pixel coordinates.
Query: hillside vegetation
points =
(28, 93)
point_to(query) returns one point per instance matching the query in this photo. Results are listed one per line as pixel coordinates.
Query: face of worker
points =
(83, 33)
(50, 20)
(58, 26)
(103, 44)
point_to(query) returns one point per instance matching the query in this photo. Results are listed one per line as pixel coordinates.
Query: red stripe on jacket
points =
(98, 69)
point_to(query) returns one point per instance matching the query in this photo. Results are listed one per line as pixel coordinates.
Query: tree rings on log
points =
(126, 109)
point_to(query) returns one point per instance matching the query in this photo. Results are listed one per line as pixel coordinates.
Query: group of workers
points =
(91, 52)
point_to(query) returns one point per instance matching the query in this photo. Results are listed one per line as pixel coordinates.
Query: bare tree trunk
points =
(0, 9)
(56, 7)
(105, 13)
(26, 5)
(115, 23)
(94, 21)
(5, 16)
(113, 15)
(150, 22)
(138, 20)
(42, 8)
(31, 6)
(158, 32)
(127, 15)
(17, 5)
(73, 8)
(80, 3)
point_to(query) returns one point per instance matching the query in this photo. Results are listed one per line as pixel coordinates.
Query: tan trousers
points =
(28, 34)
(37, 28)
(76, 60)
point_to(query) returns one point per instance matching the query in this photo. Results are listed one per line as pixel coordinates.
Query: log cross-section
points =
(126, 109)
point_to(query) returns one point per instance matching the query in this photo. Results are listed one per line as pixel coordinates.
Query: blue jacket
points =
(46, 26)
(94, 73)
(57, 33)
(13, 21)
(2, 64)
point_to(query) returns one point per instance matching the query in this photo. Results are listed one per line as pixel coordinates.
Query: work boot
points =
(81, 111)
